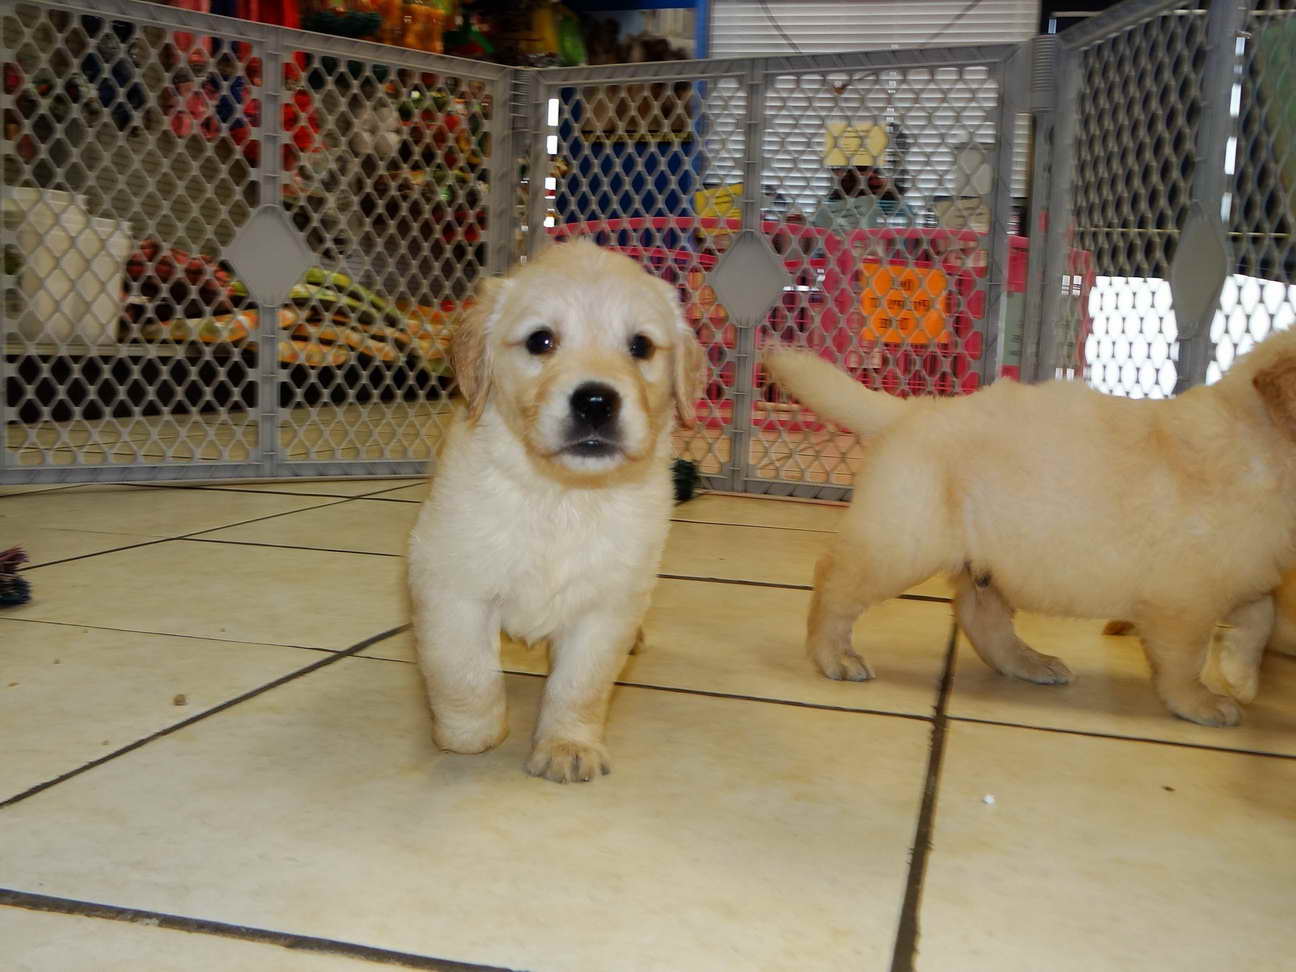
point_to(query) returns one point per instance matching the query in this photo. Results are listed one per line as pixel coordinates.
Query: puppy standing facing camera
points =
(551, 499)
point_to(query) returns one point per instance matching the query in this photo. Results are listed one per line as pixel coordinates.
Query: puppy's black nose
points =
(595, 404)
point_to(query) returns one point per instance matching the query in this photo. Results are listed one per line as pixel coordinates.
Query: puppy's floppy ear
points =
(690, 361)
(470, 346)
(1276, 386)
(688, 377)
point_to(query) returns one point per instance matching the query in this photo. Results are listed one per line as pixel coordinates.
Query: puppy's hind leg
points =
(987, 620)
(843, 589)
(1176, 649)
(1237, 652)
(860, 569)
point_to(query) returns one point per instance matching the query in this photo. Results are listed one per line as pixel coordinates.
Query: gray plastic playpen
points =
(233, 251)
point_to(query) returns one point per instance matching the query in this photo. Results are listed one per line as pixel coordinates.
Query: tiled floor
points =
(216, 755)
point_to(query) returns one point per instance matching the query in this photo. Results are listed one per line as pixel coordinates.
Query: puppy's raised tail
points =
(832, 393)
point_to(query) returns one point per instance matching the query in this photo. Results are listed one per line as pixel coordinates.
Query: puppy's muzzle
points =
(594, 428)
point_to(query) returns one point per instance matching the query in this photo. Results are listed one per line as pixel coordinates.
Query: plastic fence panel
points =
(1260, 296)
(888, 178)
(234, 250)
(1136, 115)
(640, 164)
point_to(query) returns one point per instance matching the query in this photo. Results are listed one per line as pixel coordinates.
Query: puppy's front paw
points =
(564, 761)
(469, 737)
(845, 665)
(1206, 709)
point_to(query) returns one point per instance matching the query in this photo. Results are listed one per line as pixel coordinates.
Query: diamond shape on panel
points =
(270, 255)
(1201, 264)
(749, 278)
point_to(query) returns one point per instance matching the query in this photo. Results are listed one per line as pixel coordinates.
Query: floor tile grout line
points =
(260, 519)
(378, 497)
(33, 901)
(1093, 734)
(37, 492)
(246, 492)
(754, 526)
(375, 494)
(703, 693)
(328, 659)
(169, 634)
(98, 553)
(183, 536)
(905, 952)
(786, 587)
(711, 694)
(200, 537)
(286, 546)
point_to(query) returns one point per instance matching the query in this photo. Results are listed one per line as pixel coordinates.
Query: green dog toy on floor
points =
(14, 588)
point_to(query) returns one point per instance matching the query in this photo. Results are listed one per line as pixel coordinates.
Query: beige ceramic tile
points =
(37, 941)
(413, 493)
(761, 554)
(761, 511)
(329, 487)
(1107, 854)
(146, 511)
(743, 553)
(749, 641)
(45, 544)
(1112, 692)
(225, 592)
(370, 526)
(69, 694)
(730, 835)
(714, 508)
(30, 488)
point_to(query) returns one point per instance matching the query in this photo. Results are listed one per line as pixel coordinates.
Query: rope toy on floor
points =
(686, 479)
(14, 588)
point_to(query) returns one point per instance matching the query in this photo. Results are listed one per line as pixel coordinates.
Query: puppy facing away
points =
(1057, 499)
(1233, 662)
(549, 504)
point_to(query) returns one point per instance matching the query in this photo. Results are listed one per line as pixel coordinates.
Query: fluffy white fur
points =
(521, 533)
(1057, 499)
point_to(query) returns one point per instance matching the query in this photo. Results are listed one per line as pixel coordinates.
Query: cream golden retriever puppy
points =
(551, 498)
(1054, 498)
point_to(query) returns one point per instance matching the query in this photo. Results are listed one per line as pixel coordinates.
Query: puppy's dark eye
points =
(641, 347)
(541, 341)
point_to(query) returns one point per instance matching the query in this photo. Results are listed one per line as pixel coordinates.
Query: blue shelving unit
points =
(641, 177)
(701, 14)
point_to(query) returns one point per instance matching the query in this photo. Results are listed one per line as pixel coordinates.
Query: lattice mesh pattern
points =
(120, 195)
(1134, 150)
(386, 177)
(1260, 296)
(628, 166)
(136, 156)
(888, 243)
